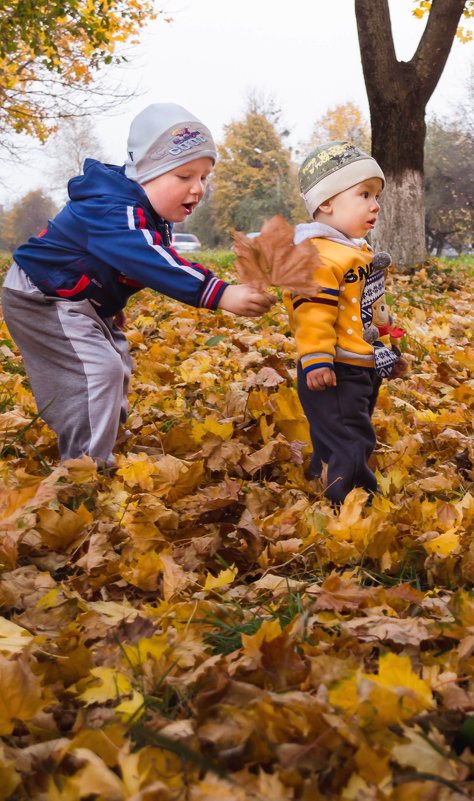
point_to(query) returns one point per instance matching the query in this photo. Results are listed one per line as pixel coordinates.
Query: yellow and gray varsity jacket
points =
(328, 327)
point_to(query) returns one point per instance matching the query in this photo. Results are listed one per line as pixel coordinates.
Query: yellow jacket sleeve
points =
(313, 319)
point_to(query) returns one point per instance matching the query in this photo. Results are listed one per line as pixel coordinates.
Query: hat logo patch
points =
(184, 139)
(325, 155)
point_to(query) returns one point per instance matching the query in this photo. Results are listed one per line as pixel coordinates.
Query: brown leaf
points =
(272, 259)
(266, 377)
(248, 262)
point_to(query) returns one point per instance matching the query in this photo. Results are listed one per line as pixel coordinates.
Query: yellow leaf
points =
(81, 470)
(10, 778)
(224, 577)
(211, 788)
(382, 707)
(220, 429)
(176, 477)
(344, 695)
(13, 638)
(146, 648)
(374, 765)
(394, 478)
(20, 696)
(446, 543)
(193, 368)
(138, 472)
(427, 415)
(48, 600)
(436, 483)
(112, 685)
(144, 320)
(465, 357)
(397, 672)
(133, 707)
(96, 778)
(268, 631)
(355, 789)
(59, 530)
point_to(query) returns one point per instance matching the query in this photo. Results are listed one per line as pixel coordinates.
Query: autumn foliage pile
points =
(202, 626)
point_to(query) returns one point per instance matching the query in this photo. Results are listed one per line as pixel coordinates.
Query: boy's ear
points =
(325, 207)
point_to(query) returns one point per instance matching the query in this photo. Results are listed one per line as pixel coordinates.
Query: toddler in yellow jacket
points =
(339, 371)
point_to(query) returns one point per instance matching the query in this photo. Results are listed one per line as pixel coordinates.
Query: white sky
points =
(303, 53)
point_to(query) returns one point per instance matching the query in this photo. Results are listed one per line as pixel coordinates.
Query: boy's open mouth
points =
(188, 207)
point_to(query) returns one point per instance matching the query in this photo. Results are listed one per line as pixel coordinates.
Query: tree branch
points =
(376, 45)
(435, 44)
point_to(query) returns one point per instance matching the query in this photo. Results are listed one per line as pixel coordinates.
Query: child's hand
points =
(399, 368)
(321, 378)
(119, 319)
(246, 300)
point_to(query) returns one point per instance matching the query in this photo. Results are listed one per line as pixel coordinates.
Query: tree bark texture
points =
(398, 92)
(400, 226)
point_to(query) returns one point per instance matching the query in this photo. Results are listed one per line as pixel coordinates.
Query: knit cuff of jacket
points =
(212, 292)
(312, 361)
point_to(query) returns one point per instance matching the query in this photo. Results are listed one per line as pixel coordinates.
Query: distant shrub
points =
(222, 262)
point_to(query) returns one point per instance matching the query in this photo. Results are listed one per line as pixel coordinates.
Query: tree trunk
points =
(398, 92)
(400, 225)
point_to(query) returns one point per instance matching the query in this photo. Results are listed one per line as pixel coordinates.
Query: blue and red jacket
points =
(107, 243)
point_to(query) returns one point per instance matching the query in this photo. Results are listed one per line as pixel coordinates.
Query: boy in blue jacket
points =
(64, 295)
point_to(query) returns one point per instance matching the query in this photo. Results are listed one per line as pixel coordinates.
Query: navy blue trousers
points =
(341, 430)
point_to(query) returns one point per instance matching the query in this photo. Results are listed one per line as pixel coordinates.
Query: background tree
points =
(28, 217)
(50, 51)
(75, 140)
(449, 185)
(341, 122)
(252, 179)
(398, 92)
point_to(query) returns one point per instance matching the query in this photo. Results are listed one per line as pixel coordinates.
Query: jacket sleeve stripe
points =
(165, 253)
(324, 301)
(210, 292)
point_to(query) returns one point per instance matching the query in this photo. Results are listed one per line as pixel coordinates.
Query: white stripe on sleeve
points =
(208, 291)
(187, 268)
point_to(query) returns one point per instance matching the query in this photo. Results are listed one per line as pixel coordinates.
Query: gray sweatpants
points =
(78, 366)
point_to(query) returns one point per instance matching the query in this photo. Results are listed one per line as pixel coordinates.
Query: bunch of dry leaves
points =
(203, 626)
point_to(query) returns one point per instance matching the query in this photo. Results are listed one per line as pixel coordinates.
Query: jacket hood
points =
(106, 180)
(320, 230)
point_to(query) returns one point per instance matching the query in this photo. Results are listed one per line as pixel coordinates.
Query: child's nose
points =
(197, 187)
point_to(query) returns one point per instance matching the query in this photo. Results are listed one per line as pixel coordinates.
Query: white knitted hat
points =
(163, 136)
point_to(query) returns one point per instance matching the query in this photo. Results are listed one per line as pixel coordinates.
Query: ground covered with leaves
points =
(202, 626)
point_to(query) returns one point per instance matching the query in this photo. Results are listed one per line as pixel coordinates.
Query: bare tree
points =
(75, 140)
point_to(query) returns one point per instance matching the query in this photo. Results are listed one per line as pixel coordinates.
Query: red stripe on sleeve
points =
(141, 218)
(216, 290)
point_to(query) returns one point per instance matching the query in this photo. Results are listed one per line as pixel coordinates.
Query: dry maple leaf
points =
(272, 259)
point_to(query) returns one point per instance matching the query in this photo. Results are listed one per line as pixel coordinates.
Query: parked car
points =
(185, 243)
